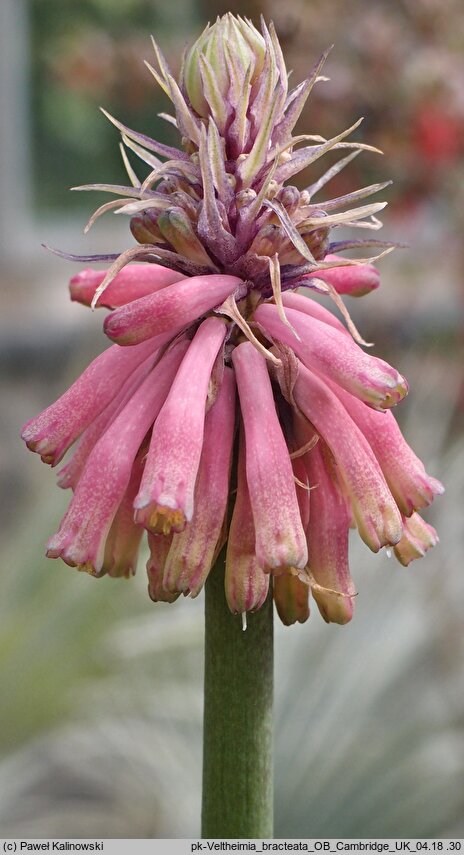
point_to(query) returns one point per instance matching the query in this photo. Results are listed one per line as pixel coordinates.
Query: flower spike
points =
(211, 335)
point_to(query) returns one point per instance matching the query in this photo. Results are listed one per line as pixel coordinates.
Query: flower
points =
(231, 410)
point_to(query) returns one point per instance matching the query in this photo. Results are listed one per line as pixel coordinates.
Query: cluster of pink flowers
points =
(231, 411)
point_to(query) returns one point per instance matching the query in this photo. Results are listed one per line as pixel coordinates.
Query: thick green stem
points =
(237, 746)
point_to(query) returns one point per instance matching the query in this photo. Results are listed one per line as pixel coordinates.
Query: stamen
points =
(244, 621)
(163, 520)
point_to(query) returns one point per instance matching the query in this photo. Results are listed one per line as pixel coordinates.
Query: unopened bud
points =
(245, 48)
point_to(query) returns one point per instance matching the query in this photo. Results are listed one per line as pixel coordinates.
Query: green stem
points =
(237, 746)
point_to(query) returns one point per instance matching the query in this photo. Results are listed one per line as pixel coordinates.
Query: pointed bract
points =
(328, 530)
(51, 433)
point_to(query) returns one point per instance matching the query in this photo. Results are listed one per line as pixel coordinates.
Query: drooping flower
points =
(232, 411)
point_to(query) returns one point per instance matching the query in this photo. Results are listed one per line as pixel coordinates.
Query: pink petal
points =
(54, 430)
(418, 538)
(328, 541)
(405, 474)
(355, 280)
(280, 539)
(171, 309)
(246, 584)
(375, 511)
(336, 356)
(192, 551)
(167, 490)
(83, 532)
(131, 283)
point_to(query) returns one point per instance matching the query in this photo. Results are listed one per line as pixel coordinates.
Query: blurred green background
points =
(100, 691)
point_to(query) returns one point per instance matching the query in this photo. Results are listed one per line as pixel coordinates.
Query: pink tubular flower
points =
(246, 583)
(69, 475)
(168, 310)
(123, 541)
(192, 551)
(166, 493)
(328, 528)
(81, 540)
(206, 302)
(375, 511)
(159, 550)
(292, 300)
(129, 284)
(280, 539)
(354, 281)
(324, 349)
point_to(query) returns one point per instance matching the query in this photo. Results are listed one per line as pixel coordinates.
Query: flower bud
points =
(246, 48)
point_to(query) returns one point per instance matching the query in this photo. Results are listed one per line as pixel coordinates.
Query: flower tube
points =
(375, 511)
(52, 432)
(166, 496)
(170, 309)
(354, 280)
(131, 283)
(280, 539)
(123, 541)
(328, 530)
(69, 475)
(404, 473)
(292, 300)
(246, 584)
(159, 549)
(324, 349)
(81, 539)
(192, 550)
